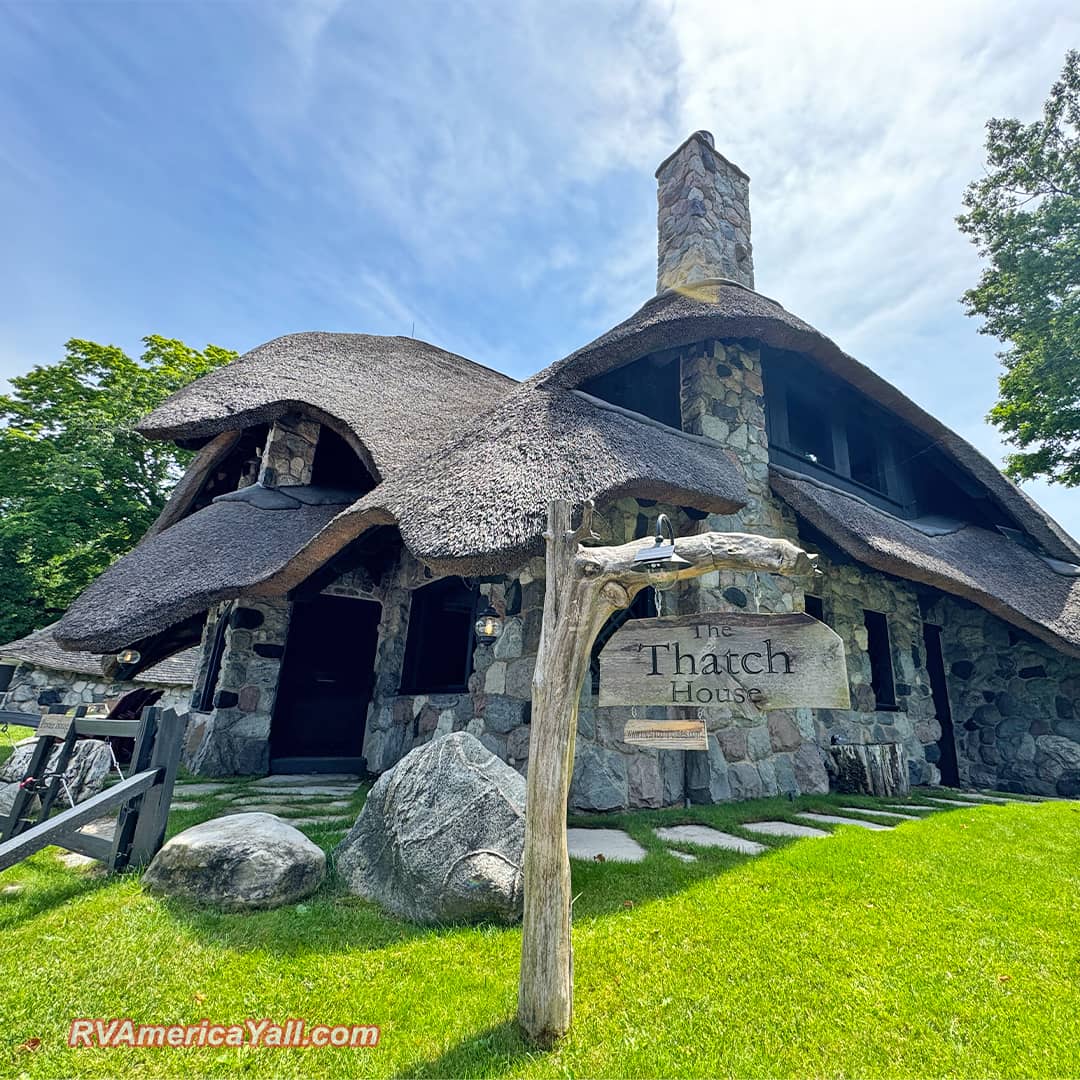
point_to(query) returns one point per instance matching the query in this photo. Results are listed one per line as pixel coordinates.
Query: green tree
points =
(1024, 217)
(78, 485)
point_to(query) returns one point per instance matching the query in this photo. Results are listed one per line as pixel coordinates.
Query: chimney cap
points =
(706, 139)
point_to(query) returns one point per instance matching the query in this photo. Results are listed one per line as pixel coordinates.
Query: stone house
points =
(36, 673)
(356, 501)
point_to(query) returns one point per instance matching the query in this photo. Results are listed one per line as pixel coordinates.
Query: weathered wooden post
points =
(584, 587)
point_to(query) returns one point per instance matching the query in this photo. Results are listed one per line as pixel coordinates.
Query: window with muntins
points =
(439, 642)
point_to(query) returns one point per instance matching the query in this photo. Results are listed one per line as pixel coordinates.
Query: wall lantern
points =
(488, 625)
(127, 657)
(658, 562)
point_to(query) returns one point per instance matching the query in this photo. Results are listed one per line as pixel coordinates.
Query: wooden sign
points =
(55, 724)
(667, 734)
(748, 663)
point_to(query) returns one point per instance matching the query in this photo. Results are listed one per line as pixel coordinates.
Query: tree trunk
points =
(584, 586)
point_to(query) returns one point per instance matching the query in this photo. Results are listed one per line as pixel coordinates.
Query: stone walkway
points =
(302, 800)
(615, 845)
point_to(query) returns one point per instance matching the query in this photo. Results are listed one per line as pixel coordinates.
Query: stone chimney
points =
(704, 217)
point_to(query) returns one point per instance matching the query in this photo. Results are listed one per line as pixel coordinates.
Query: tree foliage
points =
(1024, 217)
(78, 485)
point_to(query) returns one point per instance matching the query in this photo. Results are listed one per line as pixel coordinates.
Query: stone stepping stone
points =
(306, 789)
(972, 796)
(833, 819)
(782, 828)
(254, 808)
(704, 836)
(880, 813)
(11, 890)
(202, 789)
(952, 802)
(292, 779)
(300, 822)
(74, 861)
(911, 806)
(180, 805)
(685, 856)
(614, 844)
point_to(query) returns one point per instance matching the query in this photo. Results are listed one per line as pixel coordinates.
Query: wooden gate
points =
(142, 797)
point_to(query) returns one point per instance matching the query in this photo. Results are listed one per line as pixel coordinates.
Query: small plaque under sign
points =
(667, 734)
(56, 725)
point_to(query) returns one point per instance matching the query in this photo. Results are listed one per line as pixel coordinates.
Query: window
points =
(336, 464)
(651, 386)
(439, 644)
(881, 666)
(809, 429)
(864, 457)
(205, 700)
(643, 606)
(814, 607)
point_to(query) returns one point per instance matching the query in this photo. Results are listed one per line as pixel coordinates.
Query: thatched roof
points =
(479, 505)
(396, 397)
(725, 309)
(993, 571)
(42, 651)
(224, 550)
(467, 460)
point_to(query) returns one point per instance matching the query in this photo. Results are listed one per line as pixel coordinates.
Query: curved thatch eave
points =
(392, 398)
(479, 505)
(726, 310)
(220, 552)
(41, 650)
(988, 569)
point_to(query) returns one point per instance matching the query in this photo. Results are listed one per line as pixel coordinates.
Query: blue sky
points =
(227, 172)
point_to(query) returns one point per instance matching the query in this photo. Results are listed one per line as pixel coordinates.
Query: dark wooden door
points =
(326, 683)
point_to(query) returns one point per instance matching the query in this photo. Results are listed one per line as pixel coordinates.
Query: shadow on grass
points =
(60, 886)
(490, 1052)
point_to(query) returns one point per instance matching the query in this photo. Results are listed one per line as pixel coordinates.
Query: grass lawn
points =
(945, 947)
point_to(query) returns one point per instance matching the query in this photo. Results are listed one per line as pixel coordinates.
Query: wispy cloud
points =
(233, 172)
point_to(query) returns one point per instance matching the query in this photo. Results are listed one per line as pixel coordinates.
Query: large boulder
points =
(441, 836)
(238, 863)
(84, 776)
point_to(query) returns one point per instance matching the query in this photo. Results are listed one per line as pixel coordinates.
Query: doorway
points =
(935, 666)
(327, 677)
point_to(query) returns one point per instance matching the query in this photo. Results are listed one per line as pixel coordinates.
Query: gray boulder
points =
(441, 836)
(85, 773)
(242, 862)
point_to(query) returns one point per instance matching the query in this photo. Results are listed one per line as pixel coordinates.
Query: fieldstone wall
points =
(847, 590)
(703, 218)
(33, 687)
(234, 739)
(1015, 703)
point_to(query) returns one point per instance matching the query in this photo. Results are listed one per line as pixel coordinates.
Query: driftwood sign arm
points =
(584, 587)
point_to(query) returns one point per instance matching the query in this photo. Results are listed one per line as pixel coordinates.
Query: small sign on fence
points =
(723, 660)
(55, 725)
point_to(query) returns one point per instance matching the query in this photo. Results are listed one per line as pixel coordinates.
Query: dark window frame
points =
(418, 640)
(212, 674)
(841, 410)
(814, 606)
(882, 667)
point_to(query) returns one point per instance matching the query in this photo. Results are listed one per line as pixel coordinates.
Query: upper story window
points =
(821, 426)
(651, 386)
(336, 464)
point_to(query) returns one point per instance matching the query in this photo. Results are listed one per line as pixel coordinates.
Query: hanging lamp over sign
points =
(658, 562)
